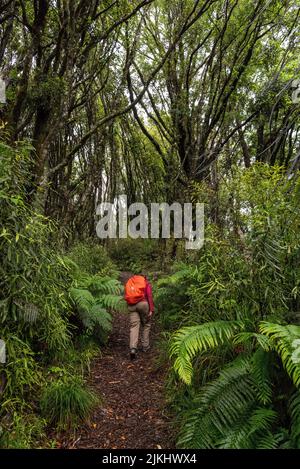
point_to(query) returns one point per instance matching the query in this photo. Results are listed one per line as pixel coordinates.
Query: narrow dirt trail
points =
(133, 412)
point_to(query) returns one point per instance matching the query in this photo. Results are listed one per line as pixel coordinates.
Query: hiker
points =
(138, 294)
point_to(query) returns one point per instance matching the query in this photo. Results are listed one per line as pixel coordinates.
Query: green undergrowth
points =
(55, 314)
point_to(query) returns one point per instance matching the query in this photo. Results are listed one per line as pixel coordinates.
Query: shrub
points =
(92, 258)
(134, 255)
(235, 353)
(95, 297)
(67, 403)
(22, 371)
(240, 408)
(24, 431)
(33, 281)
(35, 306)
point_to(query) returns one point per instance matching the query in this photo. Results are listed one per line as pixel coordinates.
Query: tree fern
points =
(285, 342)
(189, 341)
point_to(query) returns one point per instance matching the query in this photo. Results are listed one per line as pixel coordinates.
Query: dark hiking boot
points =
(133, 354)
(146, 349)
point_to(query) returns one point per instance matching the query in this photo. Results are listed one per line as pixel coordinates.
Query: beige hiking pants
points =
(139, 316)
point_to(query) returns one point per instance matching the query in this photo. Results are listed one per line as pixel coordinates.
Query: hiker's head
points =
(154, 276)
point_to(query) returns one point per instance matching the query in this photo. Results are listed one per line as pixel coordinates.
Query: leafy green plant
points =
(33, 280)
(171, 296)
(92, 259)
(23, 432)
(234, 306)
(191, 340)
(36, 311)
(22, 371)
(67, 402)
(95, 298)
(239, 408)
(134, 255)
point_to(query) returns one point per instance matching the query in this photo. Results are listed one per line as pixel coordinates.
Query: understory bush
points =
(234, 308)
(92, 258)
(135, 255)
(254, 400)
(95, 298)
(41, 322)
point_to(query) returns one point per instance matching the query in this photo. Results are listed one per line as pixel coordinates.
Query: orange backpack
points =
(135, 289)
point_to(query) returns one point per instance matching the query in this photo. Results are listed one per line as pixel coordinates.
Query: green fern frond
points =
(261, 375)
(268, 441)
(260, 430)
(220, 405)
(263, 341)
(96, 316)
(294, 411)
(242, 338)
(92, 311)
(261, 420)
(248, 337)
(189, 341)
(184, 273)
(285, 341)
(82, 298)
(226, 390)
(252, 430)
(102, 317)
(104, 285)
(112, 302)
(233, 437)
(123, 306)
(198, 432)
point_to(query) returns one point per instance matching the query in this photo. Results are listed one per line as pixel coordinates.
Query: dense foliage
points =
(48, 337)
(182, 100)
(238, 304)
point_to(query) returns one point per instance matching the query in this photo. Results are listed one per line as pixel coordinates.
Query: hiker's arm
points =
(149, 297)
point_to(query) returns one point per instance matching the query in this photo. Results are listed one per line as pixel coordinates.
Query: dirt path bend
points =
(133, 412)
